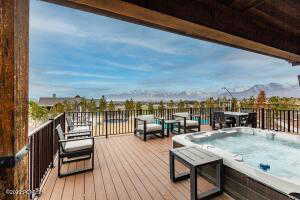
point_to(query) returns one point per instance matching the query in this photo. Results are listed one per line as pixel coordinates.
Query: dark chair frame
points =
(157, 133)
(252, 119)
(230, 121)
(84, 154)
(188, 128)
(218, 118)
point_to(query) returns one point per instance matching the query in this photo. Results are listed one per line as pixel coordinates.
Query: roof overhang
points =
(262, 26)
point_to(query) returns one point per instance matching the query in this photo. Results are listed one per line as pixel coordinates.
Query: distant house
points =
(49, 102)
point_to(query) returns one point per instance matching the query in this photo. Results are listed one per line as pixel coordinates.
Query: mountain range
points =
(271, 89)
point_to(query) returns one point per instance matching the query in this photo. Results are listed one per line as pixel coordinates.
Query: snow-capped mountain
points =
(271, 89)
(155, 95)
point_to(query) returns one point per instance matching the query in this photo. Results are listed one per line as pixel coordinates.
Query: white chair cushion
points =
(150, 127)
(78, 145)
(80, 129)
(189, 123)
(78, 135)
(182, 114)
(148, 118)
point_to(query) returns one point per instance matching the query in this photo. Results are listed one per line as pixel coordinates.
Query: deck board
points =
(69, 184)
(79, 192)
(98, 180)
(125, 168)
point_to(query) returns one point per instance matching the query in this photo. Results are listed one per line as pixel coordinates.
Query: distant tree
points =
(181, 105)
(150, 107)
(57, 109)
(138, 106)
(234, 103)
(161, 106)
(127, 105)
(292, 103)
(171, 104)
(281, 103)
(83, 105)
(102, 104)
(37, 113)
(261, 99)
(68, 106)
(274, 102)
(224, 103)
(244, 103)
(92, 107)
(251, 101)
(131, 104)
(196, 104)
(111, 106)
(210, 103)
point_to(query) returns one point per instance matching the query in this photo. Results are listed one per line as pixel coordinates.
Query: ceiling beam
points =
(185, 20)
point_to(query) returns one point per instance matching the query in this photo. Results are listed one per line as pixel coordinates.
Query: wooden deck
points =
(125, 168)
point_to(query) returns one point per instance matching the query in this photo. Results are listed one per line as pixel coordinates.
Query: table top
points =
(235, 113)
(195, 156)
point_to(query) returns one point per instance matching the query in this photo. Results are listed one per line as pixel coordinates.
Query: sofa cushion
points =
(80, 129)
(189, 123)
(78, 145)
(150, 127)
(179, 116)
(60, 132)
(148, 118)
(78, 135)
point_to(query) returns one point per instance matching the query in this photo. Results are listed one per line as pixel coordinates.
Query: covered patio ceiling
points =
(264, 26)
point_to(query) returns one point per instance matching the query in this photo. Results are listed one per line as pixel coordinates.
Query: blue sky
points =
(73, 52)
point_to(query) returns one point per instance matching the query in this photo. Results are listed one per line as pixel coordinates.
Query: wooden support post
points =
(14, 35)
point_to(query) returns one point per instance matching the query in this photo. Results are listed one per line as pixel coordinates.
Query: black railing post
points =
(52, 138)
(262, 118)
(289, 120)
(106, 121)
(210, 116)
(63, 125)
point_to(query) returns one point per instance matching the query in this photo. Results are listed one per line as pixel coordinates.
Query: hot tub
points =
(247, 152)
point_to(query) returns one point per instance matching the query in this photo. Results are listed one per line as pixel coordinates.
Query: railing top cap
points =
(40, 127)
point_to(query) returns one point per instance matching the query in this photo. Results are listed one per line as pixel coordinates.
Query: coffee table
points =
(170, 126)
(194, 158)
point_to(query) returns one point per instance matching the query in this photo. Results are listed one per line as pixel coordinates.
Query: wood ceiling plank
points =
(137, 14)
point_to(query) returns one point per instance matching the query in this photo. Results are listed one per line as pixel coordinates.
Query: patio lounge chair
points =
(251, 119)
(220, 121)
(146, 125)
(187, 122)
(78, 127)
(230, 122)
(74, 149)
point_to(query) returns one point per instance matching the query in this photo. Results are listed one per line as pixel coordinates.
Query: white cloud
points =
(53, 25)
(81, 74)
(116, 32)
(137, 67)
(157, 45)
